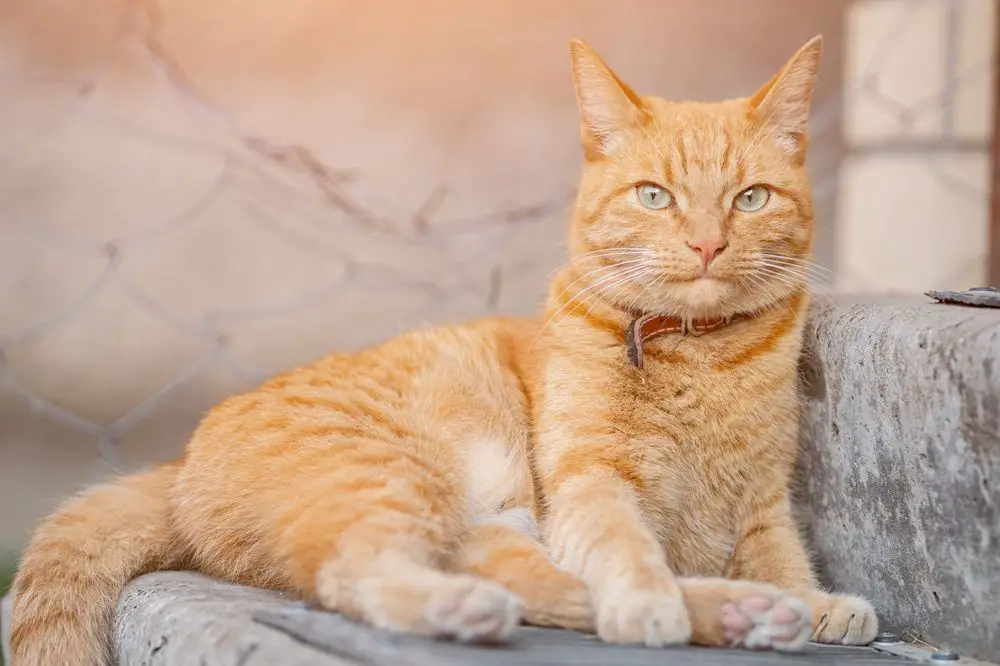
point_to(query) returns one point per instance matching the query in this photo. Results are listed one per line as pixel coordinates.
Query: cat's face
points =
(693, 209)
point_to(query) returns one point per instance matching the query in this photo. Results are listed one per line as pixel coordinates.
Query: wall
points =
(197, 193)
(913, 209)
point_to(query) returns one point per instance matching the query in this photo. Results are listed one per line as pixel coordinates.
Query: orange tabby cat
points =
(647, 421)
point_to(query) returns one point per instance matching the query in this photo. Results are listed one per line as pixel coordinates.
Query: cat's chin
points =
(702, 297)
(707, 290)
(710, 297)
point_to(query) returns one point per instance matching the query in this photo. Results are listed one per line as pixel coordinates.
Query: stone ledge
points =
(181, 618)
(900, 471)
(186, 619)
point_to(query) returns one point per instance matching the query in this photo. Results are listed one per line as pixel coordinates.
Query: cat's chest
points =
(693, 504)
(683, 402)
(693, 442)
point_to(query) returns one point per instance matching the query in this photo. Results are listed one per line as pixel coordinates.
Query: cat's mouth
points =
(705, 280)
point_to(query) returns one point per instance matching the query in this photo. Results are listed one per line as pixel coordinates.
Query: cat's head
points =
(692, 208)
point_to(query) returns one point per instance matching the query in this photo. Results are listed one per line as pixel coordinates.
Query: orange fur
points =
(401, 485)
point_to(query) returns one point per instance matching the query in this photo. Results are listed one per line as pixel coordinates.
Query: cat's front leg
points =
(770, 549)
(594, 529)
(723, 612)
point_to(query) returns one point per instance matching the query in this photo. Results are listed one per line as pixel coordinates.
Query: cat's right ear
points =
(608, 107)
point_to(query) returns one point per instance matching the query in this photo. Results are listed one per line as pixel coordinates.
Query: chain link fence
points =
(130, 308)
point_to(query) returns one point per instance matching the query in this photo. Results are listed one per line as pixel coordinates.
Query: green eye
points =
(752, 199)
(653, 197)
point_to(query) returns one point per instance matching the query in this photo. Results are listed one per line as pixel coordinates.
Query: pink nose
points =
(708, 248)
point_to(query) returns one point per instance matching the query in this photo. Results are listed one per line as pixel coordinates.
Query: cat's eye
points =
(752, 199)
(653, 196)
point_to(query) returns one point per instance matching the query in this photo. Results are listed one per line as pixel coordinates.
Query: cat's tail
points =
(78, 562)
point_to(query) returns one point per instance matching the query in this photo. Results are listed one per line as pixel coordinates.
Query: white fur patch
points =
(495, 473)
(519, 518)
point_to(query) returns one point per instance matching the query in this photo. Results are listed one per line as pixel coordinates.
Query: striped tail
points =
(79, 560)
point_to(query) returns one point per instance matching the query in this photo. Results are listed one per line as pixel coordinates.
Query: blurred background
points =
(195, 194)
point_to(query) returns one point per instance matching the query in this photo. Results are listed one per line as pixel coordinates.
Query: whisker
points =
(791, 268)
(787, 277)
(790, 272)
(796, 261)
(769, 294)
(759, 284)
(606, 253)
(663, 279)
(645, 290)
(631, 274)
(634, 266)
(786, 271)
(595, 271)
(803, 277)
(796, 271)
(796, 283)
(802, 266)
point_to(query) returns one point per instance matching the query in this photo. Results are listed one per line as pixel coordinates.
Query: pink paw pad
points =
(761, 623)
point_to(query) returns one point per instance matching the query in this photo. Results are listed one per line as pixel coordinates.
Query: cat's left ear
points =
(782, 104)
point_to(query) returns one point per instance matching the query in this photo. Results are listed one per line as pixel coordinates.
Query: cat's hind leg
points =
(373, 546)
(401, 594)
(503, 550)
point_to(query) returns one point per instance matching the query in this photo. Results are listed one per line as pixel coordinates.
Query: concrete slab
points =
(186, 619)
(177, 619)
(900, 472)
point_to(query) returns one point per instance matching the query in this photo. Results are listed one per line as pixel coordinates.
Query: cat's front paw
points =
(841, 619)
(651, 615)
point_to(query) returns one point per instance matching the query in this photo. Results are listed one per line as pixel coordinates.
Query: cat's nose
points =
(708, 248)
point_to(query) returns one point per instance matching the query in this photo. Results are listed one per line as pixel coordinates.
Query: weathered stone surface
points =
(533, 646)
(177, 619)
(901, 465)
(182, 619)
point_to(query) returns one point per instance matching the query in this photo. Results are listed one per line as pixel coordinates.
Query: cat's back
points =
(420, 369)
